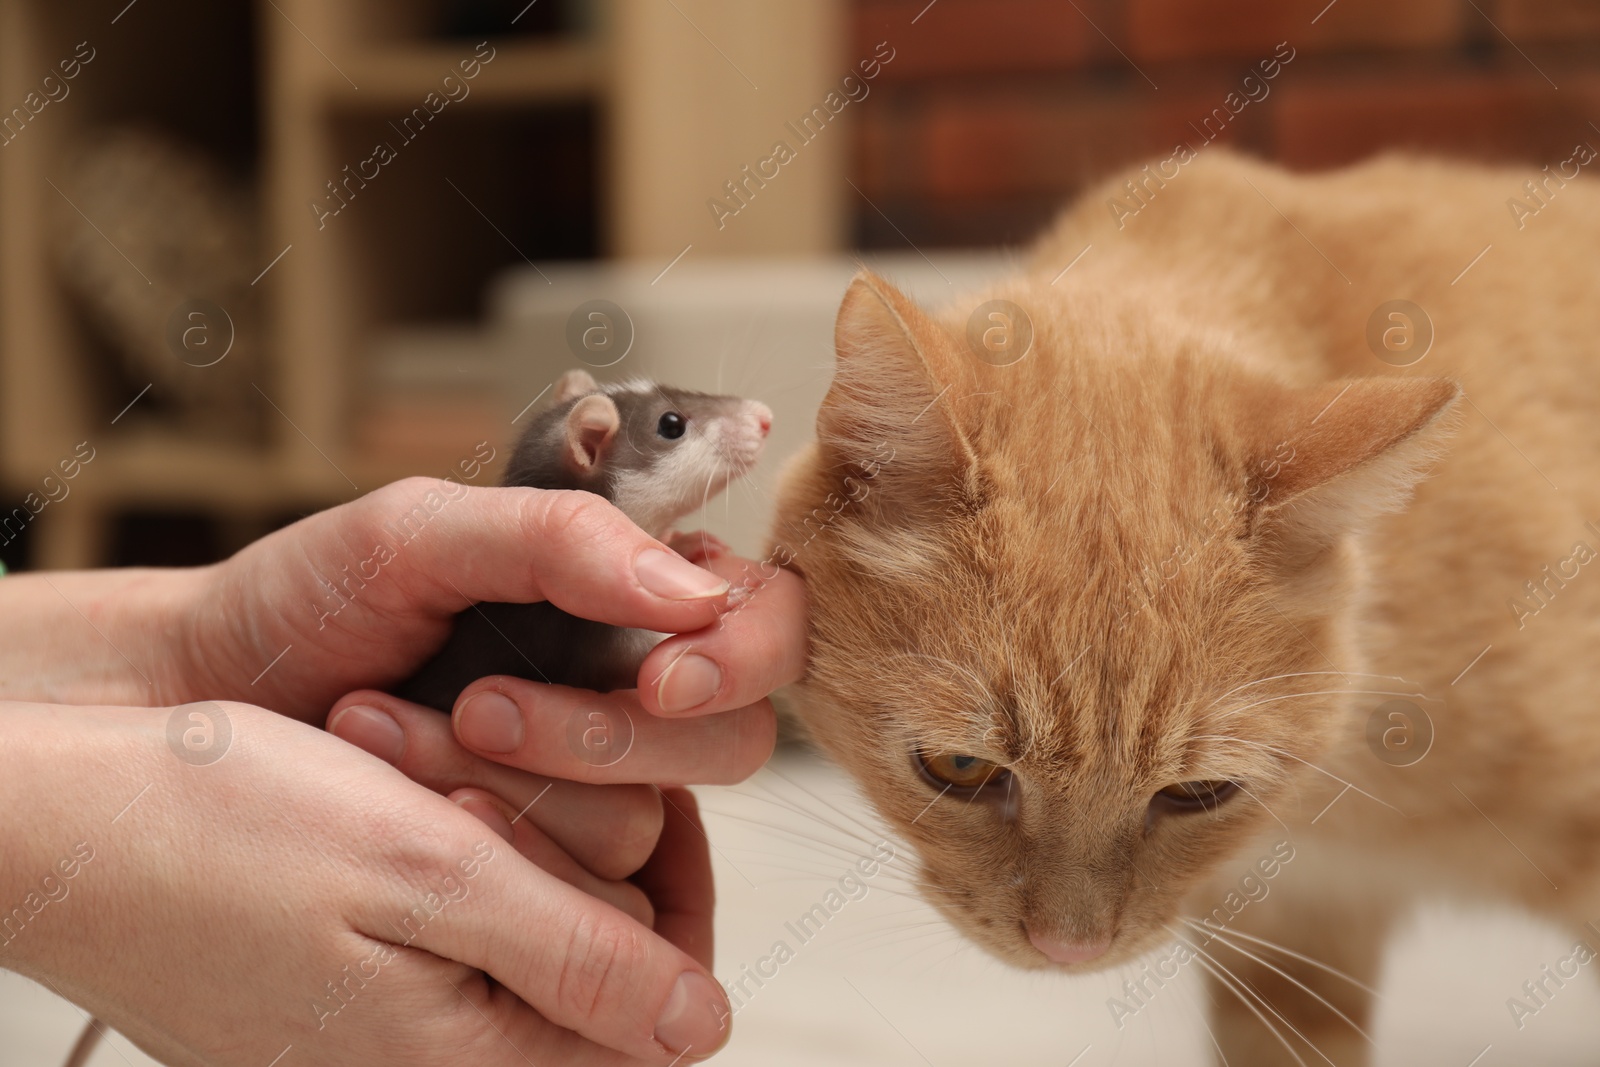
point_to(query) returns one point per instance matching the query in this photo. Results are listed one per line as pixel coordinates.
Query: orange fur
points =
(1094, 565)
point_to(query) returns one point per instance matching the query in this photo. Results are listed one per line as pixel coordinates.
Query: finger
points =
(520, 545)
(698, 547)
(607, 737)
(754, 647)
(678, 881)
(610, 830)
(512, 1034)
(576, 960)
(536, 846)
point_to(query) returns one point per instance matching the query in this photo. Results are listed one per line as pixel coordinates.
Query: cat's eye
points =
(948, 770)
(1196, 796)
(672, 425)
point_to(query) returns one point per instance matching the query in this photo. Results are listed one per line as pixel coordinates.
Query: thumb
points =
(451, 542)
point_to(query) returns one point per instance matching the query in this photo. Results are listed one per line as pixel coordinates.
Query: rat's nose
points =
(763, 417)
(1058, 951)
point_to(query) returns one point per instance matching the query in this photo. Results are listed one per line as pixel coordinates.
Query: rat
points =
(654, 451)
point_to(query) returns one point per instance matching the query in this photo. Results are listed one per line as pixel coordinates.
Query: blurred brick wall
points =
(993, 112)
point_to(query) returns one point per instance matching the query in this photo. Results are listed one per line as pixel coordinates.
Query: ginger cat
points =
(1111, 598)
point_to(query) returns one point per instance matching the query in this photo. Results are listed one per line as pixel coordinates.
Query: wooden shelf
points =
(166, 469)
(662, 120)
(521, 72)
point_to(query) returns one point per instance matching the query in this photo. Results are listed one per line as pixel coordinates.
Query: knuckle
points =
(637, 830)
(635, 903)
(405, 493)
(434, 860)
(567, 515)
(755, 733)
(603, 961)
(415, 498)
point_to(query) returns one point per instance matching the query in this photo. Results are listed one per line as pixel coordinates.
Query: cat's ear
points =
(1328, 460)
(590, 427)
(888, 409)
(573, 384)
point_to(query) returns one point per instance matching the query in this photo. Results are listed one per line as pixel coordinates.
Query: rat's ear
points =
(888, 409)
(1330, 459)
(591, 426)
(573, 384)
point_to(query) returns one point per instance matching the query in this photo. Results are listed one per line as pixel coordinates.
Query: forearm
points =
(98, 637)
(64, 775)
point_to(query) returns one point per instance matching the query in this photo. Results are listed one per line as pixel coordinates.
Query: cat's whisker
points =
(1205, 1022)
(776, 799)
(1233, 983)
(1300, 674)
(1278, 970)
(878, 939)
(879, 831)
(850, 851)
(805, 876)
(1243, 999)
(787, 805)
(959, 945)
(843, 851)
(1270, 1007)
(906, 921)
(1290, 755)
(1302, 957)
(980, 685)
(1246, 791)
(832, 849)
(1231, 712)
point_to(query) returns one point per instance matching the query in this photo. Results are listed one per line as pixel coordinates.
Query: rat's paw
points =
(697, 547)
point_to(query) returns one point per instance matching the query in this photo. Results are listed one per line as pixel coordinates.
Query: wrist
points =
(121, 637)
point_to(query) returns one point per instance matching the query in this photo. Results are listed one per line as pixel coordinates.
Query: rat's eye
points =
(1196, 796)
(672, 426)
(948, 770)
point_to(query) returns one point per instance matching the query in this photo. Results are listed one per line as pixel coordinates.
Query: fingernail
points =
(371, 730)
(695, 1018)
(490, 722)
(689, 681)
(672, 577)
(487, 814)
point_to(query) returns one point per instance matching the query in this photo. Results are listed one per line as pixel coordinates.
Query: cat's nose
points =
(1058, 951)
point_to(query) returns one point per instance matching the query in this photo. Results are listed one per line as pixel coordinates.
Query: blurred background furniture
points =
(581, 136)
(600, 129)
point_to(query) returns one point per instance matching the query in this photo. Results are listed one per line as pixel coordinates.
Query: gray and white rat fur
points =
(655, 452)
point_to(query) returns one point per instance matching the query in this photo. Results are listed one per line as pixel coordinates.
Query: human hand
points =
(589, 817)
(591, 822)
(298, 893)
(358, 596)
